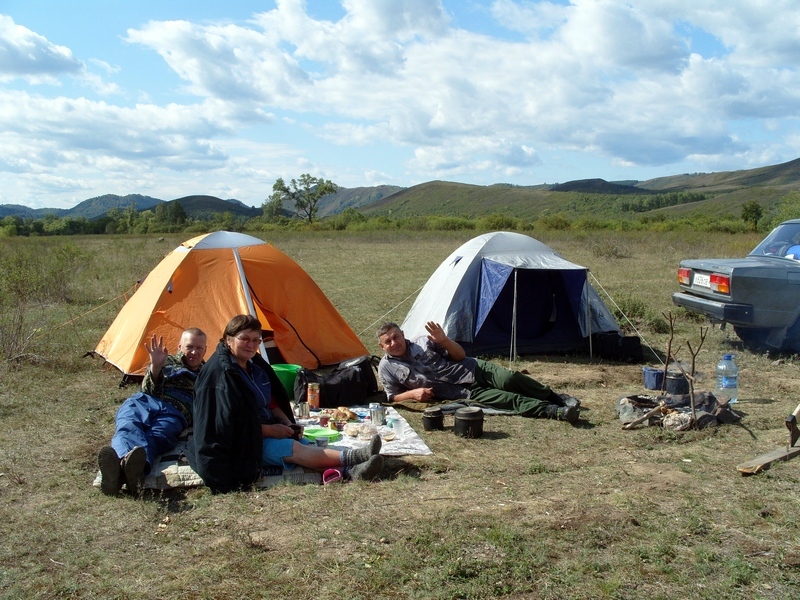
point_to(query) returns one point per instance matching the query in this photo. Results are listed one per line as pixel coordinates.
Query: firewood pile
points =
(674, 411)
(696, 409)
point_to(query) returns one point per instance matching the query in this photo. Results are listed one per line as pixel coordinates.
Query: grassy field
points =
(533, 509)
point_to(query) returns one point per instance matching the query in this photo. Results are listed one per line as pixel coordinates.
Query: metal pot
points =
(433, 419)
(469, 422)
(677, 384)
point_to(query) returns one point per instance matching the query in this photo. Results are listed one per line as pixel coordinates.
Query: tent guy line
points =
(390, 311)
(627, 319)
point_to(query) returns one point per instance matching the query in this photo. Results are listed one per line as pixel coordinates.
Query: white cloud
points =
(618, 79)
(30, 56)
(473, 155)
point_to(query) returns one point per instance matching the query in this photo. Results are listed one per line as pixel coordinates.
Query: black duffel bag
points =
(351, 383)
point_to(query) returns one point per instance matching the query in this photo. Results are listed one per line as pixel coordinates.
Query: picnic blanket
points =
(172, 470)
(406, 441)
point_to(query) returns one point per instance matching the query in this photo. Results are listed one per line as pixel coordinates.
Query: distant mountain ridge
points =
(197, 206)
(354, 198)
(206, 207)
(725, 193)
(599, 186)
(100, 205)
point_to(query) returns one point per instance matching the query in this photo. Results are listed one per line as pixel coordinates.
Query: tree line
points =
(305, 193)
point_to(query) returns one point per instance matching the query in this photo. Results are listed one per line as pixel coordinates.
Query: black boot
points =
(567, 400)
(569, 414)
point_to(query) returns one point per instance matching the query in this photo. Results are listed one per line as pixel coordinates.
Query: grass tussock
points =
(533, 509)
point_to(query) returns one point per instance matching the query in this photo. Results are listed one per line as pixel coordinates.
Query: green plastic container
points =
(314, 433)
(287, 374)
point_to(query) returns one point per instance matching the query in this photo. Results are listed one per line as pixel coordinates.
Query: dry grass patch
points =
(533, 509)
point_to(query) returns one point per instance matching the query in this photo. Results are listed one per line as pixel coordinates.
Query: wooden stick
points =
(645, 417)
(671, 320)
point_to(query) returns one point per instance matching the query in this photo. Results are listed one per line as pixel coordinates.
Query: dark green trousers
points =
(501, 388)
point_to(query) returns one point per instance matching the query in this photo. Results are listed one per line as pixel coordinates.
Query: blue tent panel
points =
(493, 279)
(549, 310)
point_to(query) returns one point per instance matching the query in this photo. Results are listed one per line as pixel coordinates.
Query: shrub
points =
(632, 311)
(450, 224)
(497, 222)
(31, 277)
(555, 222)
(610, 248)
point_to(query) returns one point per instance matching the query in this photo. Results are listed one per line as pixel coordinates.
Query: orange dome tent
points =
(209, 279)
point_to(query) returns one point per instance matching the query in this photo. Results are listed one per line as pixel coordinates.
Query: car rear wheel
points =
(753, 338)
(791, 342)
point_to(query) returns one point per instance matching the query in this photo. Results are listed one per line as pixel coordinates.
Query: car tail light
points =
(721, 283)
(684, 276)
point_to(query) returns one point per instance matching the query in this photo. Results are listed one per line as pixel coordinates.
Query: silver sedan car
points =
(759, 295)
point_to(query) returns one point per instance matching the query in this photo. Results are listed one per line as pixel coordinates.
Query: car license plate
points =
(702, 280)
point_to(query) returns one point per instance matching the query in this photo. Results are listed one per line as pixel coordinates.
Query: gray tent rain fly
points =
(505, 292)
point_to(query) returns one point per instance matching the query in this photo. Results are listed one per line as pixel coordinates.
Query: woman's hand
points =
(277, 431)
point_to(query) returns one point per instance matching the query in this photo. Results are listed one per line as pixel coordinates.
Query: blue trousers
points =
(146, 421)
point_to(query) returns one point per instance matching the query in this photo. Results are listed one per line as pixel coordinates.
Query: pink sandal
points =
(331, 476)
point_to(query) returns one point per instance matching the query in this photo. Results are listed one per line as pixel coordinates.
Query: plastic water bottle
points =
(727, 387)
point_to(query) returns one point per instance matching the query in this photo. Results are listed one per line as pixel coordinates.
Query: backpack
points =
(351, 383)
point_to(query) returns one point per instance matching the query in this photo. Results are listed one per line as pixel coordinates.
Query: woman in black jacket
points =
(242, 419)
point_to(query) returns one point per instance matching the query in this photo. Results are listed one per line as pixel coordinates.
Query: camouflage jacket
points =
(175, 384)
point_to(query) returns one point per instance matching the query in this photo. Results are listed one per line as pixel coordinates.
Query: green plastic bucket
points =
(287, 374)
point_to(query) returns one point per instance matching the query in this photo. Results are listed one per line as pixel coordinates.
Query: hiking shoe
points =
(368, 470)
(133, 465)
(110, 471)
(360, 455)
(569, 414)
(567, 400)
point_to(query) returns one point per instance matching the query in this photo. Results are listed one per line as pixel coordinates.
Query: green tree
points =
(12, 225)
(272, 209)
(305, 194)
(752, 213)
(176, 215)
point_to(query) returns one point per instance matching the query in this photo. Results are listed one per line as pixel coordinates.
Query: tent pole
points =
(246, 290)
(513, 350)
(588, 313)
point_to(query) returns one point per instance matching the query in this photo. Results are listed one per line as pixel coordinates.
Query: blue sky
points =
(178, 97)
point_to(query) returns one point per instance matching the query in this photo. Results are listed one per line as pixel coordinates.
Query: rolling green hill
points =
(96, 207)
(784, 174)
(206, 207)
(723, 194)
(465, 200)
(719, 194)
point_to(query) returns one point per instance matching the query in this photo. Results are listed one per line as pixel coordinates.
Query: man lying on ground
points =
(149, 423)
(434, 367)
